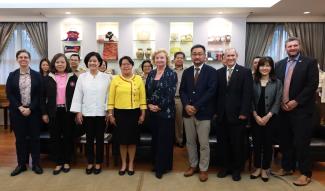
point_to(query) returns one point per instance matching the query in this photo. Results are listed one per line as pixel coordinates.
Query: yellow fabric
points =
(127, 93)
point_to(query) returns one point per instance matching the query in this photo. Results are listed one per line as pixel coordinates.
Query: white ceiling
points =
(282, 8)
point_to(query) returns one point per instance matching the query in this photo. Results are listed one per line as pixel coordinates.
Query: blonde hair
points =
(160, 51)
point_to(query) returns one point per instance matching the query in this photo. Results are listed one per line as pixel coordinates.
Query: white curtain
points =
(18, 40)
(276, 49)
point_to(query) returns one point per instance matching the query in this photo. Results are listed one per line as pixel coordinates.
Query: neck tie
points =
(229, 74)
(196, 75)
(287, 80)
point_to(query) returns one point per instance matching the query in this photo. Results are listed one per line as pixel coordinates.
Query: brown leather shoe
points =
(190, 171)
(203, 176)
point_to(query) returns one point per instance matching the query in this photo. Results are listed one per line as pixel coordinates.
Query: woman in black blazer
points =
(267, 91)
(58, 91)
(23, 90)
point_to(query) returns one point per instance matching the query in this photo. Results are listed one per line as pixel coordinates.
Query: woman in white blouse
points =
(89, 102)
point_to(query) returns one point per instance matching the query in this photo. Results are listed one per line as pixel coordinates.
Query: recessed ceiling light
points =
(220, 12)
(307, 12)
(67, 13)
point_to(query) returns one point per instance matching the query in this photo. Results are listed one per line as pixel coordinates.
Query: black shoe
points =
(89, 170)
(97, 170)
(130, 172)
(19, 169)
(236, 176)
(159, 175)
(37, 169)
(265, 179)
(223, 173)
(121, 172)
(66, 170)
(56, 172)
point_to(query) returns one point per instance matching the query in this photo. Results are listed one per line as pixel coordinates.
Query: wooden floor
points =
(8, 159)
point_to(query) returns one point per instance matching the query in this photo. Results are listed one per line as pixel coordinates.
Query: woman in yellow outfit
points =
(126, 110)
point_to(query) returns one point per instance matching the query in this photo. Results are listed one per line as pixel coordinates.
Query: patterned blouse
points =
(25, 84)
(162, 92)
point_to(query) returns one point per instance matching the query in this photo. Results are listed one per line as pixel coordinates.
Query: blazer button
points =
(193, 92)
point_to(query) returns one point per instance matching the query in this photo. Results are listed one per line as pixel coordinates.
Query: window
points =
(19, 40)
(276, 49)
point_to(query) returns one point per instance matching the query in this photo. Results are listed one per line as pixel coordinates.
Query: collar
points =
(295, 59)
(22, 73)
(199, 66)
(61, 75)
(233, 67)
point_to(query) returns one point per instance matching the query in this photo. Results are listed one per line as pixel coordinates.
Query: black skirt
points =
(127, 128)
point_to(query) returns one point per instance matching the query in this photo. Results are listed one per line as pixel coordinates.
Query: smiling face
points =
(74, 62)
(45, 67)
(126, 67)
(255, 63)
(293, 48)
(161, 59)
(179, 60)
(231, 57)
(102, 68)
(146, 68)
(93, 63)
(265, 69)
(23, 59)
(60, 65)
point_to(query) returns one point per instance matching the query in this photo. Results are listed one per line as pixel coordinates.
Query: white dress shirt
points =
(91, 93)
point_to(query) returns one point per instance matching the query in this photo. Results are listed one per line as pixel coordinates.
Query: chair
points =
(4, 104)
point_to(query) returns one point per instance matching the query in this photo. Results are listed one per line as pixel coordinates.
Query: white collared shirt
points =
(198, 67)
(227, 71)
(90, 95)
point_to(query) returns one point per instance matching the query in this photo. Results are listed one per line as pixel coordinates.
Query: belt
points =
(177, 96)
(60, 105)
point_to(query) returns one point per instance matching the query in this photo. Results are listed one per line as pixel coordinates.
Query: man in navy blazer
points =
(299, 74)
(234, 94)
(23, 90)
(197, 92)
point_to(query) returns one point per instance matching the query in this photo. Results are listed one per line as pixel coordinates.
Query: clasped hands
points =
(262, 121)
(24, 111)
(290, 105)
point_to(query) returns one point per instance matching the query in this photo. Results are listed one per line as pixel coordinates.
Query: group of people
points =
(168, 99)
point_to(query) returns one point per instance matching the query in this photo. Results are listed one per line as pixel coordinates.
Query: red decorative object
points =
(110, 51)
(72, 36)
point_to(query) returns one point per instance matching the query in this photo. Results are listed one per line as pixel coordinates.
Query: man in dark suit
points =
(197, 92)
(299, 75)
(23, 90)
(234, 93)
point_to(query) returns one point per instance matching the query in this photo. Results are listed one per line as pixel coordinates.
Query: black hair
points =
(40, 65)
(198, 46)
(89, 55)
(52, 64)
(105, 63)
(262, 62)
(182, 53)
(126, 58)
(146, 61)
(77, 55)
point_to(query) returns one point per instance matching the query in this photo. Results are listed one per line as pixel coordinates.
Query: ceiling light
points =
(307, 12)
(67, 13)
(137, 4)
(220, 12)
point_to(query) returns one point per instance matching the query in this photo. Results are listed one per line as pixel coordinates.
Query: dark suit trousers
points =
(95, 127)
(231, 139)
(295, 135)
(27, 132)
(61, 133)
(163, 131)
(262, 140)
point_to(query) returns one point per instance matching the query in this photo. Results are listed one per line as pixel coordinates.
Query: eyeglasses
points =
(23, 57)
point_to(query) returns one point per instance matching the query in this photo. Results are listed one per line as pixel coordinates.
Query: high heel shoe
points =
(121, 172)
(265, 178)
(254, 176)
(97, 170)
(57, 171)
(130, 172)
(89, 170)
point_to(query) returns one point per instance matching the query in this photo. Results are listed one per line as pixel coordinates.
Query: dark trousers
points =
(61, 134)
(162, 143)
(95, 127)
(262, 140)
(27, 133)
(231, 140)
(295, 136)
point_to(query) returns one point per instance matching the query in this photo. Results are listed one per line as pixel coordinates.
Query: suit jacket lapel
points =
(234, 75)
